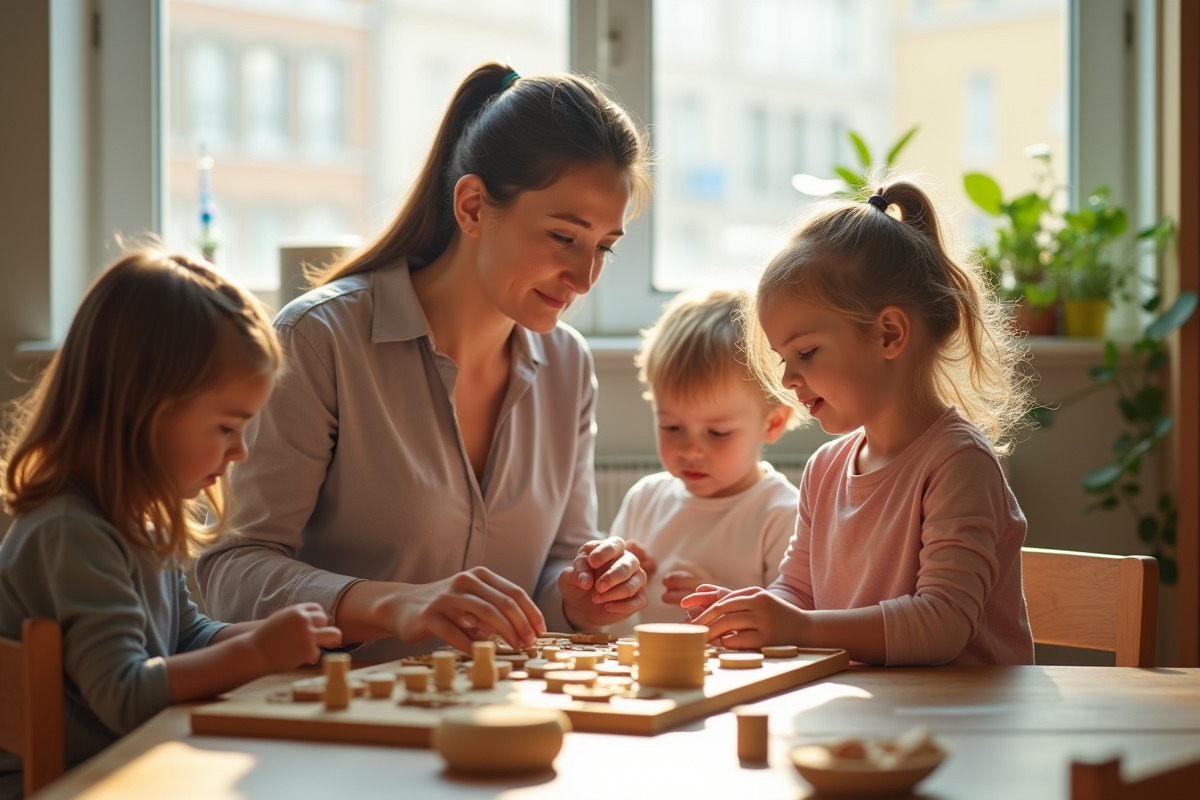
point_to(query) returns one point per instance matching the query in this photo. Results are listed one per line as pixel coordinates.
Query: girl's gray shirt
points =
(357, 469)
(121, 613)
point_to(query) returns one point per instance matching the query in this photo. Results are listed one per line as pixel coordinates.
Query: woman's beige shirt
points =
(357, 470)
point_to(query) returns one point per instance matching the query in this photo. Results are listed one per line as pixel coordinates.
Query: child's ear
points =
(894, 329)
(777, 421)
(469, 195)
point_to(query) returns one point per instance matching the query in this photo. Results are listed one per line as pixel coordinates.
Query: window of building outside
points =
(317, 114)
(749, 94)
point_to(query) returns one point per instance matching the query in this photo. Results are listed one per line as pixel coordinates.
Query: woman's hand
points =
(465, 608)
(747, 618)
(293, 636)
(605, 584)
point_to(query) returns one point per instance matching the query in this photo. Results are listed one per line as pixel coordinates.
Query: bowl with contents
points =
(869, 767)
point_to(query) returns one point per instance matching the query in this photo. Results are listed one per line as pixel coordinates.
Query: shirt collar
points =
(399, 317)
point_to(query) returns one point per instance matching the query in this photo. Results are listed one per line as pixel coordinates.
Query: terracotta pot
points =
(1036, 320)
(1085, 317)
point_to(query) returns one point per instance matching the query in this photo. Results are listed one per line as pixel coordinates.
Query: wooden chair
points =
(1093, 601)
(31, 701)
(1103, 781)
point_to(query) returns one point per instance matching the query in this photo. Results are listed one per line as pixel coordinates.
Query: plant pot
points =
(1036, 320)
(1085, 317)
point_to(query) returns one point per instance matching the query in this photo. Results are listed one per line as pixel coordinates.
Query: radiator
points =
(616, 474)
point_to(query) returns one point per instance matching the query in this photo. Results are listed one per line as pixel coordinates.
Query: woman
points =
(425, 467)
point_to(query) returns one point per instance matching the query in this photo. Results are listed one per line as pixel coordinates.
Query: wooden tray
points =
(270, 714)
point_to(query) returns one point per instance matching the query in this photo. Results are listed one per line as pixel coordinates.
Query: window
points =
(665, 51)
(337, 102)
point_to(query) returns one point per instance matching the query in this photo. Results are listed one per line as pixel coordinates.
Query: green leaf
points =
(1149, 400)
(1158, 360)
(1131, 489)
(894, 153)
(860, 147)
(1101, 478)
(1041, 416)
(1112, 357)
(851, 178)
(1162, 427)
(1102, 374)
(1179, 312)
(1147, 529)
(1168, 572)
(1168, 532)
(984, 192)
(1128, 409)
(1123, 442)
(1165, 501)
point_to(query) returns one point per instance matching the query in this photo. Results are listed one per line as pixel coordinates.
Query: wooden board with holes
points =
(270, 713)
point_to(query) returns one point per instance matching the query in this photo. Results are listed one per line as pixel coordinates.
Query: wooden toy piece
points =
(626, 652)
(585, 660)
(497, 740)
(483, 665)
(592, 638)
(336, 667)
(503, 669)
(445, 664)
(611, 669)
(309, 690)
(590, 694)
(538, 667)
(416, 679)
(735, 660)
(671, 654)
(781, 651)
(550, 652)
(752, 727)
(557, 679)
(380, 684)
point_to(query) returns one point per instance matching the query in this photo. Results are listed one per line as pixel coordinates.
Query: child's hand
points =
(701, 598)
(293, 636)
(749, 618)
(679, 584)
(648, 562)
(605, 584)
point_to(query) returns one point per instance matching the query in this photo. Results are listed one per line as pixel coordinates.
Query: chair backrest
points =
(31, 701)
(1103, 781)
(1094, 601)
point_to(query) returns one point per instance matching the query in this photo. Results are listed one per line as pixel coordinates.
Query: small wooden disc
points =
(781, 651)
(538, 667)
(590, 694)
(559, 678)
(736, 660)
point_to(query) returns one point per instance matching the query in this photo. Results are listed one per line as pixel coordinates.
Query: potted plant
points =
(1042, 255)
(1090, 268)
(1136, 375)
(1019, 255)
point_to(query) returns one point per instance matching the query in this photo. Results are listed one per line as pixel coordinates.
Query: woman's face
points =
(538, 254)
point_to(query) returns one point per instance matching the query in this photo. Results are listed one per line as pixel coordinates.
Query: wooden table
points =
(1012, 732)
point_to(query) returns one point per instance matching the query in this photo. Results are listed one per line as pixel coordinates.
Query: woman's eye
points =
(718, 434)
(225, 429)
(563, 240)
(668, 428)
(806, 355)
(608, 251)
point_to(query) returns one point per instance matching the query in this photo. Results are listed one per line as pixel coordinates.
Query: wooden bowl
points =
(858, 777)
(500, 740)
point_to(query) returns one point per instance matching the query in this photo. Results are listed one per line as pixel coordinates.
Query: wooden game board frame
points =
(266, 714)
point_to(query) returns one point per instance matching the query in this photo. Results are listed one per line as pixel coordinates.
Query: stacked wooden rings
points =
(671, 654)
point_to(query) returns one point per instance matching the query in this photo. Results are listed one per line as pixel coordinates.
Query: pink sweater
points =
(934, 538)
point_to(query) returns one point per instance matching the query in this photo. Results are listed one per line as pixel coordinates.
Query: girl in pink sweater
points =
(908, 545)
